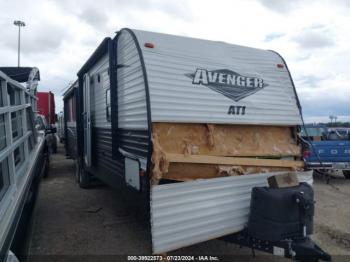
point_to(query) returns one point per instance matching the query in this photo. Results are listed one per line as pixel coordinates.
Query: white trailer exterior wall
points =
(99, 83)
(132, 104)
(174, 97)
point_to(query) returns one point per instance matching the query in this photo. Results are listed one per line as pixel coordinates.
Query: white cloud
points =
(313, 38)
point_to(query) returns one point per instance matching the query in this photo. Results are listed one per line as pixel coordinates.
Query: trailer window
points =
(4, 178)
(1, 99)
(15, 96)
(18, 156)
(30, 126)
(16, 120)
(70, 113)
(108, 105)
(2, 132)
(73, 108)
(27, 99)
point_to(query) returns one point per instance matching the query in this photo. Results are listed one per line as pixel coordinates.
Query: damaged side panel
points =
(187, 213)
(212, 140)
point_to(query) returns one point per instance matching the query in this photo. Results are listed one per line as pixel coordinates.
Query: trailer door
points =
(87, 120)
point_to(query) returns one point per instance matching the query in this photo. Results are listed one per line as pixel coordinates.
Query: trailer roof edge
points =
(98, 53)
(70, 89)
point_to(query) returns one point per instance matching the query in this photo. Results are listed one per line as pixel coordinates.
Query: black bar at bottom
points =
(300, 250)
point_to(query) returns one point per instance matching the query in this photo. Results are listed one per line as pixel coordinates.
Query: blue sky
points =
(312, 36)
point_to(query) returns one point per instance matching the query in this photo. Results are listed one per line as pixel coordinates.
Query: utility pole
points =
(19, 24)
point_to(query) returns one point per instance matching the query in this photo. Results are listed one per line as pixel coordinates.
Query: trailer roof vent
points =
(149, 45)
(280, 65)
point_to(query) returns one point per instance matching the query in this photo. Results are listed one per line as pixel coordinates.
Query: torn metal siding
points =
(175, 98)
(187, 213)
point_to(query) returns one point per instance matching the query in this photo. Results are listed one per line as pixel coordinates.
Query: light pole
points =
(19, 24)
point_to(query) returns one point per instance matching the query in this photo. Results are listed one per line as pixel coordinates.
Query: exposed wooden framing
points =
(227, 140)
(239, 161)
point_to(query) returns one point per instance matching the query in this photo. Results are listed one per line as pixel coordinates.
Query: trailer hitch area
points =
(303, 250)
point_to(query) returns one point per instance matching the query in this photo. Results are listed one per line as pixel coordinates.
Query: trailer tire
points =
(82, 177)
(346, 174)
(47, 167)
(54, 149)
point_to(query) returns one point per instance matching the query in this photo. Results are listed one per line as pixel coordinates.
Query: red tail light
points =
(149, 45)
(306, 154)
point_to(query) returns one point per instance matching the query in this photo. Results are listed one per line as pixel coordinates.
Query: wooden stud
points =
(239, 161)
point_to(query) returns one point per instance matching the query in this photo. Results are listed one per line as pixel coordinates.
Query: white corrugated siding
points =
(98, 92)
(175, 99)
(132, 109)
(187, 213)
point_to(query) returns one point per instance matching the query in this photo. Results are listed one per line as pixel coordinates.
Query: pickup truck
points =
(328, 155)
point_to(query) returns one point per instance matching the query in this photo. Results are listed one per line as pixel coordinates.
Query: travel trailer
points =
(191, 126)
(23, 156)
(60, 127)
(70, 97)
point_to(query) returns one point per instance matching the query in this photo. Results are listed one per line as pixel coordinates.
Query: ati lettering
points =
(236, 110)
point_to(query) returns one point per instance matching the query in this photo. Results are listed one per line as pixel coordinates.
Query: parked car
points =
(330, 154)
(338, 134)
(50, 132)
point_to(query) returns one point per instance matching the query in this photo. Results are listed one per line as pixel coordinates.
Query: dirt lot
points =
(72, 224)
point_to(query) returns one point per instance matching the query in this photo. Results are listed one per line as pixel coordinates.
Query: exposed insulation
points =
(226, 140)
(159, 161)
(217, 140)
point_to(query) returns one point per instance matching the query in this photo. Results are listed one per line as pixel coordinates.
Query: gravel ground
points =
(99, 224)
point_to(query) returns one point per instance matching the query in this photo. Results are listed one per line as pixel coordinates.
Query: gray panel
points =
(187, 213)
(132, 173)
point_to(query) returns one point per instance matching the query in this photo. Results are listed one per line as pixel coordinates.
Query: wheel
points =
(76, 173)
(54, 149)
(82, 177)
(54, 145)
(47, 167)
(346, 173)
